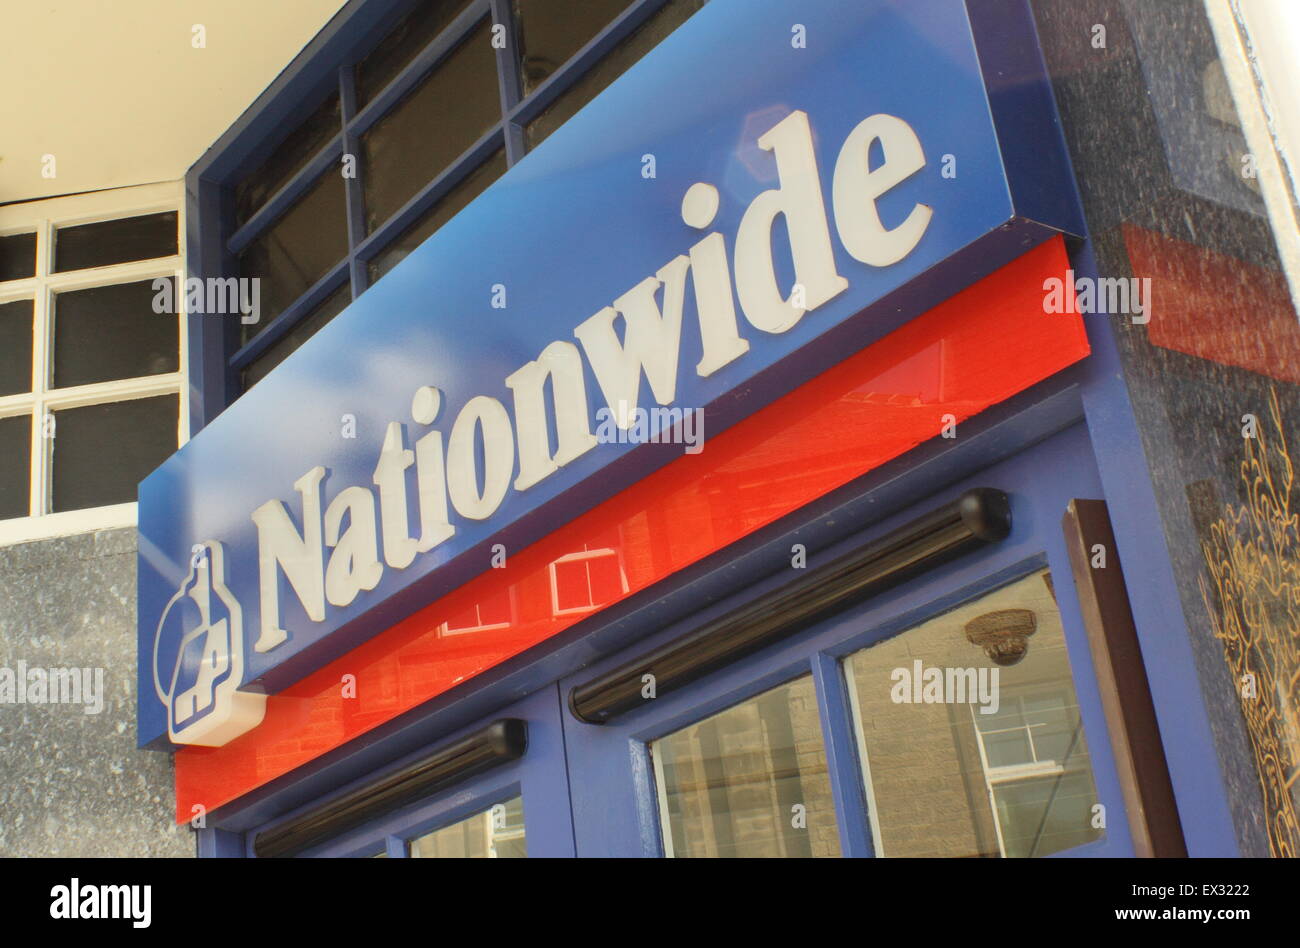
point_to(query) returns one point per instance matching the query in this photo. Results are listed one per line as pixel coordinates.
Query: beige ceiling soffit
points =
(101, 95)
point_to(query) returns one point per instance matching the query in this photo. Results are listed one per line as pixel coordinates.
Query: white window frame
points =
(995, 778)
(44, 217)
(584, 555)
(1259, 45)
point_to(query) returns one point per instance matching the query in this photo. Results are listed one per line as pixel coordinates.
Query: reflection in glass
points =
(489, 614)
(586, 580)
(750, 781)
(963, 756)
(496, 833)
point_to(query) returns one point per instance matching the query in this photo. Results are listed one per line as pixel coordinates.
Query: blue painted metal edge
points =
(1162, 627)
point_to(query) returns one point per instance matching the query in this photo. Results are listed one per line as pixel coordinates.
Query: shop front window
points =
(750, 781)
(496, 833)
(970, 734)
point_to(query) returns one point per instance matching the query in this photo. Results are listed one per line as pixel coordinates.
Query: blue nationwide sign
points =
(775, 186)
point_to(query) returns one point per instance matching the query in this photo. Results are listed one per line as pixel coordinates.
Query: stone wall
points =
(74, 783)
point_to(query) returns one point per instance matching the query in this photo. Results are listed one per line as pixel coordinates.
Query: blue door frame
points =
(538, 777)
(615, 809)
(589, 790)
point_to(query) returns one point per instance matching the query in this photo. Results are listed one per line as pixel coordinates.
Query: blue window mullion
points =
(211, 843)
(212, 386)
(840, 741)
(354, 193)
(509, 79)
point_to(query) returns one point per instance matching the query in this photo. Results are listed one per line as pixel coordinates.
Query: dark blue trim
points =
(324, 67)
(208, 338)
(1185, 727)
(543, 786)
(613, 815)
(1020, 97)
(835, 711)
(299, 89)
(1095, 389)
(218, 844)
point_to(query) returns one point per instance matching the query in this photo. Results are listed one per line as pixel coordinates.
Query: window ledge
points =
(68, 523)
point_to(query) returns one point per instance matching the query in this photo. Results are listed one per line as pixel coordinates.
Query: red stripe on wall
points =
(1207, 304)
(977, 349)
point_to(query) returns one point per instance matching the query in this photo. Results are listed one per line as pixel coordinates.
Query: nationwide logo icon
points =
(201, 690)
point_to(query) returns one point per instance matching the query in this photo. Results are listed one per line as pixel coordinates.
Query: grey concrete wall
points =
(72, 783)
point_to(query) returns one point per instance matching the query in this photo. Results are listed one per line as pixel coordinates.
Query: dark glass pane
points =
(298, 250)
(15, 466)
(102, 452)
(613, 65)
(17, 257)
(112, 332)
(431, 127)
(551, 31)
(403, 44)
(119, 241)
(16, 347)
(307, 327)
(288, 157)
(438, 215)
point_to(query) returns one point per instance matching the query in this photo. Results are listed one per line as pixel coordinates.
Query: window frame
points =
(548, 828)
(609, 806)
(612, 774)
(45, 216)
(324, 67)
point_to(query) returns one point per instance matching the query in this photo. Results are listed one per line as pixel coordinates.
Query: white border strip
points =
(1264, 138)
